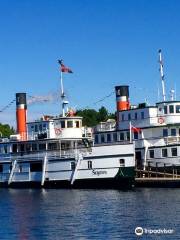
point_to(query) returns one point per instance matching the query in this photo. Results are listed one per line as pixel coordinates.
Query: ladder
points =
(12, 172)
(74, 174)
(44, 169)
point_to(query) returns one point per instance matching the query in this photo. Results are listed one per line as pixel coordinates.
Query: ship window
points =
(108, 137)
(121, 136)
(77, 124)
(40, 127)
(96, 139)
(22, 148)
(62, 124)
(102, 138)
(129, 116)
(36, 167)
(69, 124)
(174, 152)
(173, 132)
(28, 147)
(1, 168)
(36, 128)
(135, 135)
(151, 153)
(177, 108)
(34, 146)
(42, 146)
(128, 136)
(14, 148)
(44, 125)
(73, 165)
(165, 132)
(52, 146)
(164, 152)
(89, 164)
(171, 108)
(122, 117)
(165, 109)
(32, 126)
(142, 115)
(114, 137)
(5, 149)
(122, 162)
(136, 115)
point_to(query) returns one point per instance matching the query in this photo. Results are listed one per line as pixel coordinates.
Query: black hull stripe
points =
(103, 183)
(109, 156)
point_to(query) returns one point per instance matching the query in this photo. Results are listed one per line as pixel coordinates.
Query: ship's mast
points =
(64, 102)
(162, 75)
(62, 95)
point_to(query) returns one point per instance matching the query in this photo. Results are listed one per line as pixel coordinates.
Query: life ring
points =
(161, 120)
(58, 131)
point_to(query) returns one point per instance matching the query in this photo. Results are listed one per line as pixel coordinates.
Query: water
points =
(87, 214)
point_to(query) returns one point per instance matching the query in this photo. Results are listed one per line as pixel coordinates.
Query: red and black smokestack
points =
(122, 98)
(21, 114)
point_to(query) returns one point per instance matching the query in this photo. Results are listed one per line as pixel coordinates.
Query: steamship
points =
(155, 129)
(58, 152)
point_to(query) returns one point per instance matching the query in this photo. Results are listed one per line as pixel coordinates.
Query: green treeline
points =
(92, 117)
(6, 130)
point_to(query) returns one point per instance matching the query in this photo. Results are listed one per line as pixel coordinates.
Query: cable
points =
(7, 106)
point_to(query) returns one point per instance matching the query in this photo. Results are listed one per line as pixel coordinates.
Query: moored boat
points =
(60, 152)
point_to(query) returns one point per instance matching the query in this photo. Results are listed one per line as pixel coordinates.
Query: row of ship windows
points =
(37, 167)
(171, 132)
(167, 110)
(28, 147)
(164, 153)
(39, 127)
(130, 117)
(113, 137)
(63, 124)
(69, 124)
(171, 109)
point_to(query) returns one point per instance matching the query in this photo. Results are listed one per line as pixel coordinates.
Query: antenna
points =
(172, 92)
(162, 75)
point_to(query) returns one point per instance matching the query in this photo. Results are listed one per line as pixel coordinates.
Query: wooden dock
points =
(150, 178)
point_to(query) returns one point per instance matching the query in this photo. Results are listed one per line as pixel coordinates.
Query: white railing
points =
(172, 140)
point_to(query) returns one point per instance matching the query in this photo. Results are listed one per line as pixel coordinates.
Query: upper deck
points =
(143, 116)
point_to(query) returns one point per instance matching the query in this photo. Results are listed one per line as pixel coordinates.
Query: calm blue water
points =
(87, 214)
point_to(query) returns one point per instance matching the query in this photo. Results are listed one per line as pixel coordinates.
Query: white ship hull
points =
(101, 167)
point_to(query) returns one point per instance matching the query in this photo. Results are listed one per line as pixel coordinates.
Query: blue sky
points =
(105, 42)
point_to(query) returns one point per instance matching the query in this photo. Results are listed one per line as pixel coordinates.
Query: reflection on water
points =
(87, 214)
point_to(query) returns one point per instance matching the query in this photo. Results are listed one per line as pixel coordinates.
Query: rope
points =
(7, 106)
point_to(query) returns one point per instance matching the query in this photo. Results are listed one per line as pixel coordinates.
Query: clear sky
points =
(105, 43)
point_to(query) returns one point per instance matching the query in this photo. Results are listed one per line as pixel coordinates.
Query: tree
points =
(89, 117)
(92, 117)
(102, 114)
(6, 130)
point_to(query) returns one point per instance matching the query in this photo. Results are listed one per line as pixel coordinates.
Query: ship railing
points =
(172, 139)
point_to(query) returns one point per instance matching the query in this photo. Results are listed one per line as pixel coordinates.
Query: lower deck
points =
(103, 166)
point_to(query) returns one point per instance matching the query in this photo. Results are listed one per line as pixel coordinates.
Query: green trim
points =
(125, 172)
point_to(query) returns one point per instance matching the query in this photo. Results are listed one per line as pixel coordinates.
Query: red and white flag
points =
(63, 68)
(135, 129)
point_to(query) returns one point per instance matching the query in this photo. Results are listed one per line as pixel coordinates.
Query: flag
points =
(63, 68)
(135, 129)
